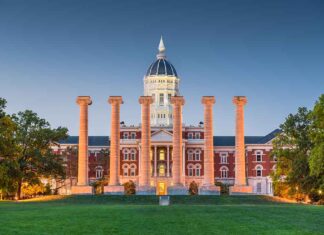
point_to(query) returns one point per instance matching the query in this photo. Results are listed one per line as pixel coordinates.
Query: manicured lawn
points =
(142, 215)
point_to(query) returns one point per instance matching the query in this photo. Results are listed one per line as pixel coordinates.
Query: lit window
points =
(224, 172)
(162, 154)
(161, 170)
(223, 158)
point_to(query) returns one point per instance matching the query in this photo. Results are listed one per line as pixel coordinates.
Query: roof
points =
(161, 67)
(218, 140)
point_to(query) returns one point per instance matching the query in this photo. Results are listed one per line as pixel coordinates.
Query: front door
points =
(161, 188)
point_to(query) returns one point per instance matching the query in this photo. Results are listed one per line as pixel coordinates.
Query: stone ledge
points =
(145, 190)
(177, 190)
(114, 190)
(241, 190)
(82, 190)
(209, 190)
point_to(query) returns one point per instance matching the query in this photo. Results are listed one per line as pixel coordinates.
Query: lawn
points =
(142, 215)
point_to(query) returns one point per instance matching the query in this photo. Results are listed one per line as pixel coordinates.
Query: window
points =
(126, 156)
(125, 135)
(198, 170)
(125, 170)
(190, 136)
(190, 155)
(259, 189)
(161, 99)
(224, 172)
(133, 155)
(258, 156)
(258, 170)
(197, 155)
(153, 96)
(169, 98)
(133, 170)
(190, 170)
(133, 135)
(223, 158)
(99, 172)
(197, 135)
(161, 170)
(161, 154)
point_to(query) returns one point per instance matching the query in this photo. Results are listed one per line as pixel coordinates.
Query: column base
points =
(241, 190)
(178, 190)
(209, 190)
(82, 190)
(114, 190)
(146, 190)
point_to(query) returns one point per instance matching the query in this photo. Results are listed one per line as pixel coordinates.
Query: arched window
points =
(258, 170)
(161, 170)
(99, 172)
(125, 154)
(224, 172)
(198, 170)
(161, 154)
(133, 170)
(190, 170)
(133, 155)
(197, 155)
(190, 155)
(125, 169)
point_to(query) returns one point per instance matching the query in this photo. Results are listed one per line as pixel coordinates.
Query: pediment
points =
(161, 135)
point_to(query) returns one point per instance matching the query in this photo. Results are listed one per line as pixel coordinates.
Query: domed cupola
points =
(161, 67)
(161, 82)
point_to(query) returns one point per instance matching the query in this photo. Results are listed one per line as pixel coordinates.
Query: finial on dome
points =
(161, 48)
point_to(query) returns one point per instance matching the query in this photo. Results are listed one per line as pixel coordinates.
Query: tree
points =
(299, 152)
(34, 156)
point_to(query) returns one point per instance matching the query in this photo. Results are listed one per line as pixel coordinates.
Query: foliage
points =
(224, 188)
(298, 150)
(31, 190)
(193, 188)
(98, 185)
(25, 150)
(129, 188)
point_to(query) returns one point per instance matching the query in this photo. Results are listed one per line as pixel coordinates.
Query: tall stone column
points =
(240, 184)
(208, 187)
(114, 184)
(177, 187)
(144, 175)
(83, 183)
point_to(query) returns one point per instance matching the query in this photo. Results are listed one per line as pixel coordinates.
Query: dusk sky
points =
(270, 51)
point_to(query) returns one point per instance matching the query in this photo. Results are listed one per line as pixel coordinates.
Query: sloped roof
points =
(218, 140)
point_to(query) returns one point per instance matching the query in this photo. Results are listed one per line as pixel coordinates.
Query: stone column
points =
(144, 176)
(240, 184)
(82, 184)
(208, 187)
(155, 161)
(168, 161)
(114, 184)
(177, 187)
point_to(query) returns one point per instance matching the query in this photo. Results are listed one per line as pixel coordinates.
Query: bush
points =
(32, 190)
(193, 188)
(129, 188)
(98, 186)
(224, 188)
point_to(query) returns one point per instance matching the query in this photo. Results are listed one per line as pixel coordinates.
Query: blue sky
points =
(270, 51)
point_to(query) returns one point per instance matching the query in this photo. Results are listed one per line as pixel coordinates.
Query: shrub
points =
(193, 188)
(224, 188)
(129, 188)
(98, 186)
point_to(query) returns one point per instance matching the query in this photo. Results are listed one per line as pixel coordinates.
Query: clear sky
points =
(270, 51)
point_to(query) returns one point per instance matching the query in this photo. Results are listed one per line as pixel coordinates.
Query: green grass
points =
(142, 215)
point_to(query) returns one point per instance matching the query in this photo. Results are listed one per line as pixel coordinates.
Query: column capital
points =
(115, 100)
(239, 100)
(208, 100)
(84, 100)
(145, 100)
(177, 100)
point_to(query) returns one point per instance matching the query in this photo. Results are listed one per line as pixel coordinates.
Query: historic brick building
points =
(162, 155)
